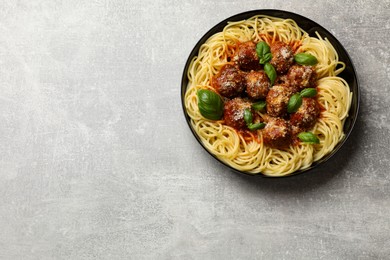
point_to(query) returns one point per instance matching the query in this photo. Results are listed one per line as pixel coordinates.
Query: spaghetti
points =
(246, 151)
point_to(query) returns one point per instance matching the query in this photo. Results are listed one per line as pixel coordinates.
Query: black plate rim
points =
(354, 109)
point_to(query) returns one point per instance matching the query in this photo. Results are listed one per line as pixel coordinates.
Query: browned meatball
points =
(306, 115)
(281, 79)
(301, 77)
(257, 84)
(233, 113)
(277, 100)
(246, 56)
(277, 133)
(282, 57)
(229, 82)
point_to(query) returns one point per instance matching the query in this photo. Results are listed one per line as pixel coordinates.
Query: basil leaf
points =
(308, 137)
(256, 126)
(271, 72)
(308, 92)
(210, 104)
(262, 48)
(263, 52)
(305, 59)
(266, 58)
(259, 49)
(259, 106)
(294, 103)
(248, 116)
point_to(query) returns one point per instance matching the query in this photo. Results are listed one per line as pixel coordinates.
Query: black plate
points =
(310, 27)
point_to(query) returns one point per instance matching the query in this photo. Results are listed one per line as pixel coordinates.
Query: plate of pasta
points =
(270, 93)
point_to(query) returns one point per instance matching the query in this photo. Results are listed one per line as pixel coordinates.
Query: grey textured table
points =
(97, 161)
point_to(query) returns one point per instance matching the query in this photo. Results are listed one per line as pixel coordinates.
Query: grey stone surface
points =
(97, 161)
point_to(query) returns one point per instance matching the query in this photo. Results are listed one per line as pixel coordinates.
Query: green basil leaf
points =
(259, 49)
(271, 72)
(308, 92)
(305, 59)
(294, 103)
(262, 48)
(266, 58)
(256, 126)
(308, 137)
(248, 116)
(259, 106)
(210, 104)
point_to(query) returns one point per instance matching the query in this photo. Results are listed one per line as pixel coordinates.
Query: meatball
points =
(246, 56)
(301, 77)
(229, 82)
(281, 80)
(277, 100)
(282, 57)
(234, 112)
(257, 84)
(277, 133)
(306, 115)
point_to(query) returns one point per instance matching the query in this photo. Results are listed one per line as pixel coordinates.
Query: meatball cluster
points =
(245, 82)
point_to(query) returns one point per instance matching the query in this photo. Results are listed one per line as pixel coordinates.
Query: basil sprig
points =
(271, 72)
(256, 126)
(294, 103)
(210, 104)
(305, 59)
(264, 53)
(266, 58)
(296, 100)
(248, 118)
(259, 106)
(308, 137)
(308, 92)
